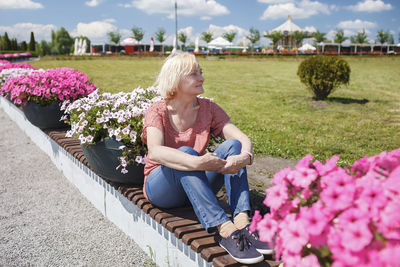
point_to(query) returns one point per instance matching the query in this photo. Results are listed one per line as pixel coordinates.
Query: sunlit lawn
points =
(266, 100)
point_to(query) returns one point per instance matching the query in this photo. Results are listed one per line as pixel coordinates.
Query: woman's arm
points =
(177, 159)
(235, 163)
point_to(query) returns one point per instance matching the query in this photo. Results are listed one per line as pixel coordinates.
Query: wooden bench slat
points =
(179, 232)
(188, 238)
(181, 223)
(211, 252)
(198, 244)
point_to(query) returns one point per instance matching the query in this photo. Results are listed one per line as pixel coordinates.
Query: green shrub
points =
(323, 74)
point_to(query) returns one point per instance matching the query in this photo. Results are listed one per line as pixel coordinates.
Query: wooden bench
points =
(182, 222)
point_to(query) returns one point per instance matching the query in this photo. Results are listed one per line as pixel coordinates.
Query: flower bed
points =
(325, 215)
(7, 65)
(118, 116)
(52, 85)
(6, 74)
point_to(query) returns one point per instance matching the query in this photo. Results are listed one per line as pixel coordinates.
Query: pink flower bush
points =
(326, 215)
(7, 65)
(6, 74)
(118, 116)
(49, 86)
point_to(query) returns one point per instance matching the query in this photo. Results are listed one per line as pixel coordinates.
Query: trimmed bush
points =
(323, 74)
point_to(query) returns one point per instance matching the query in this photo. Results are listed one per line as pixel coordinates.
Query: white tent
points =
(129, 41)
(307, 47)
(288, 26)
(219, 42)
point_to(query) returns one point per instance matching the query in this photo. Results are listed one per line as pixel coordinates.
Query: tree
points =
(382, 37)
(160, 35)
(391, 39)
(298, 37)
(63, 41)
(44, 48)
(24, 46)
(253, 37)
(183, 38)
(359, 38)
(274, 37)
(32, 43)
(14, 44)
(229, 36)
(6, 42)
(339, 37)
(138, 33)
(319, 37)
(207, 36)
(114, 37)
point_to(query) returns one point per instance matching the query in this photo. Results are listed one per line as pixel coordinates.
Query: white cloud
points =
(22, 31)
(356, 24)
(200, 8)
(275, 1)
(19, 4)
(93, 3)
(298, 10)
(371, 6)
(220, 30)
(310, 29)
(97, 31)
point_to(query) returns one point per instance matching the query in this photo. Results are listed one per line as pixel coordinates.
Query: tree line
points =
(62, 43)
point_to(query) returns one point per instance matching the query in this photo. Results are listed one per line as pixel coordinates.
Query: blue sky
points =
(94, 18)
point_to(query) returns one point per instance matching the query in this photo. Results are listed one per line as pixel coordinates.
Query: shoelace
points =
(241, 241)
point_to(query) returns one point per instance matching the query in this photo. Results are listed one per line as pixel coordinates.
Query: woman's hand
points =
(234, 164)
(210, 162)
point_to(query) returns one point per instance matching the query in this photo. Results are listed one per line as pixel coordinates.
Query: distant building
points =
(287, 29)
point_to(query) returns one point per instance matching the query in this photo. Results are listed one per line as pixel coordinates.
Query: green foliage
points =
(339, 36)
(138, 33)
(182, 37)
(359, 38)
(298, 36)
(383, 36)
(160, 35)
(274, 37)
(114, 37)
(319, 36)
(32, 43)
(5, 42)
(44, 48)
(63, 41)
(323, 74)
(24, 46)
(254, 36)
(229, 36)
(207, 36)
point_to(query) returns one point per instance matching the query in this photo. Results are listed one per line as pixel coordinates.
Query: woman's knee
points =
(188, 150)
(233, 146)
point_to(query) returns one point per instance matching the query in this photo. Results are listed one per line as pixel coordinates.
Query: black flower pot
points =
(103, 158)
(44, 117)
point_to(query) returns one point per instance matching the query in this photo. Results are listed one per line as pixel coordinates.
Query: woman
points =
(178, 170)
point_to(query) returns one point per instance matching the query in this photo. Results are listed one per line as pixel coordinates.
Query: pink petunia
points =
(330, 165)
(356, 237)
(294, 235)
(313, 219)
(276, 196)
(304, 162)
(336, 198)
(279, 177)
(267, 228)
(254, 221)
(302, 177)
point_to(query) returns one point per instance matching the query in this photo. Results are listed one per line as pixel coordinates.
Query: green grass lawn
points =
(265, 99)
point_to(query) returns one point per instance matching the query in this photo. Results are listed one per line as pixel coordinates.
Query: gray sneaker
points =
(240, 248)
(253, 238)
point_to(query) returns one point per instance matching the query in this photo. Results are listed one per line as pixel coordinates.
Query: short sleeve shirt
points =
(211, 119)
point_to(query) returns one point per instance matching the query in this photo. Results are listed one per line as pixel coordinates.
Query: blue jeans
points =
(170, 188)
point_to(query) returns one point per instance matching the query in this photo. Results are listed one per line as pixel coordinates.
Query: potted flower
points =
(325, 215)
(6, 74)
(42, 93)
(109, 128)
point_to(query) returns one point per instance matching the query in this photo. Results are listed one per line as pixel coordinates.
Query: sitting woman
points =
(178, 170)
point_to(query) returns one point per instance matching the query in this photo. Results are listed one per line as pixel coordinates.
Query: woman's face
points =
(192, 84)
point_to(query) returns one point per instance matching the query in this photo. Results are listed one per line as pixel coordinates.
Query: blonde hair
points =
(177, 65)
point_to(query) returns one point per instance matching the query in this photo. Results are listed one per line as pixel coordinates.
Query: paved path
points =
(44, 220)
